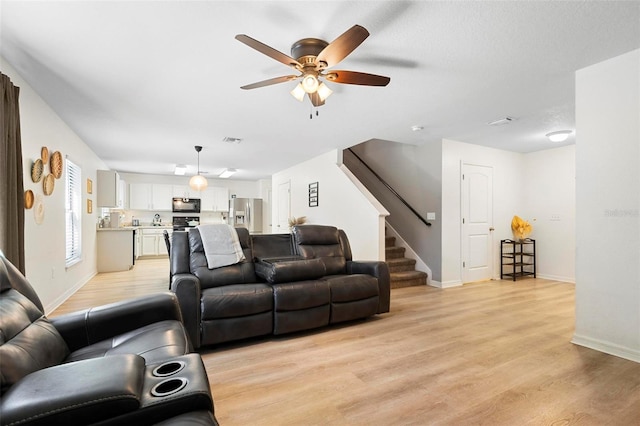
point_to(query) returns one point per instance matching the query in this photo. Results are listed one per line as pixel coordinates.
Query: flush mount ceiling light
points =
(417, 128)
(227, 173)
(559, 136)
(180, 169)
(198, 182)
(311, 58)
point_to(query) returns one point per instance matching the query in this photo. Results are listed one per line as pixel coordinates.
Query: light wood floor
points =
(492, 353)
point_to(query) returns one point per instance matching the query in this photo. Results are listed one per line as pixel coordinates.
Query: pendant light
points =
(198, 182)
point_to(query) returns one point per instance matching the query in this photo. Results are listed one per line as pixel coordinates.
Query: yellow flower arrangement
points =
(521, 228)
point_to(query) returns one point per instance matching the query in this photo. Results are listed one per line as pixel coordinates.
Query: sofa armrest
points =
(188, 291)
(380, 270)
(289, 269)
(89, 326)
(82, 392)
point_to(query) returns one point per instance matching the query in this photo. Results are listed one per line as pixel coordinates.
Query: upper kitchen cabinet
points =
(180, 191)
(215, 199)
(111, 190)
(148, 196)
(184, 191)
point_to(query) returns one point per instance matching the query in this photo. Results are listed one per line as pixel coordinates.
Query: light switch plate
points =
(431, 215)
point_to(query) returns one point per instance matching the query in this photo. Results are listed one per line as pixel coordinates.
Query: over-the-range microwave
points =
(185, 205)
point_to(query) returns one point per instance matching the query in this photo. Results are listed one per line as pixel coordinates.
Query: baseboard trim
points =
(606, 347)
(67, 294)
(571, 280)
(446, 284)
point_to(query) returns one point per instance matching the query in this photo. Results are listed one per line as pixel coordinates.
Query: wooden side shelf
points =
(517, 258)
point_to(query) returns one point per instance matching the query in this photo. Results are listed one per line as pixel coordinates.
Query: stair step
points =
(389, 241)
(401, 264)
(394, 252)
(408, 279)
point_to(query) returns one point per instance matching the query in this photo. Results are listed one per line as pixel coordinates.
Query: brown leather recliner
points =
(96, 365)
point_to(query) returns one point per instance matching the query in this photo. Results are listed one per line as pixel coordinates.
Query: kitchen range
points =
(182, 223)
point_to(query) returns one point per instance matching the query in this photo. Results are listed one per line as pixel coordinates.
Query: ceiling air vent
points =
(502, 121)
(229, 139)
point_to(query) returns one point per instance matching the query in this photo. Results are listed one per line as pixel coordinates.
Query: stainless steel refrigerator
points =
(246, 212)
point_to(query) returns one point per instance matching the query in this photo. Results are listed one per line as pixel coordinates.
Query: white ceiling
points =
(142, 82)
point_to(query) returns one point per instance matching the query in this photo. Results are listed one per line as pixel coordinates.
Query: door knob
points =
(492, 229)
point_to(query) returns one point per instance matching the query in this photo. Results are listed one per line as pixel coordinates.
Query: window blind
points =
(73, 208)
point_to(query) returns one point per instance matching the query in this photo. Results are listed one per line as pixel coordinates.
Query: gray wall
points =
(415, 172)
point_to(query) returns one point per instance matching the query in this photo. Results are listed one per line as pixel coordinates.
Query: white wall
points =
(341, 203)
(508, 196)
(539, 187)
(45, 243)
(608, 206)
(550, 188)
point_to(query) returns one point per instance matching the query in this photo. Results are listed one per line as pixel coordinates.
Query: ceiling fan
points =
(312, 57)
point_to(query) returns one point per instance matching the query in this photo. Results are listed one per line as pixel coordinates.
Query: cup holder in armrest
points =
(169, 386)
(168, 368)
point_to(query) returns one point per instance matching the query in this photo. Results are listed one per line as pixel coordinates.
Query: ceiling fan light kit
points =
(298, 92)
(311, 57)
(198, 182)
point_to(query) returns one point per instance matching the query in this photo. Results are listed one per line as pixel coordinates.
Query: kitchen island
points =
(115, 249)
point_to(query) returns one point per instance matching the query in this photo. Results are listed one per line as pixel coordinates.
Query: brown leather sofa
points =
(124, 363)
(287, 283)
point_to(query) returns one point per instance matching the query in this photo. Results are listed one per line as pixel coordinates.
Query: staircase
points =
(402, 270)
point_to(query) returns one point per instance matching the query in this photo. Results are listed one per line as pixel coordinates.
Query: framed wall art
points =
(313, 194)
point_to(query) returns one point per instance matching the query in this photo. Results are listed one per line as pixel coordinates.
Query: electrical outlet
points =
(431, 216)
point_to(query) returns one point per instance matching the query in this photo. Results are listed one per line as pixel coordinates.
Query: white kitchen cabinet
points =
(138, 243)
(139, 196)
(161, 195)
(215, 199)
(185, 191)
(123, 200)
(181, 191)
(153, 242)
(110, 189)
(148, 196)
(149, 244)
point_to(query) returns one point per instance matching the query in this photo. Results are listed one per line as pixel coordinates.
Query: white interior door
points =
(477, 223)
(284, 207)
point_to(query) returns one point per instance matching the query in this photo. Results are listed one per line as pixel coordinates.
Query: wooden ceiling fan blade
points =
(315, 99)
(268, 50)
(269, 82)
(339, 48)
(360, 78)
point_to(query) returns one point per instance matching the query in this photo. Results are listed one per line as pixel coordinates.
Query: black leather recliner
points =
(97, 365)
(287, 283)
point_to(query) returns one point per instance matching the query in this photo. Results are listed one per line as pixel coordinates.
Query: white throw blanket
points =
(221, 245)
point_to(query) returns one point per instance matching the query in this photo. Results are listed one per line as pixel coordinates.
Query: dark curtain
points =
(11, 184)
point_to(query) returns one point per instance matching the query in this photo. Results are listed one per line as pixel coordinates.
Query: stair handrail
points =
(390, 188)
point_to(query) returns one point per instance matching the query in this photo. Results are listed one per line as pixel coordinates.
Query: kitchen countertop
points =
(131, 228)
